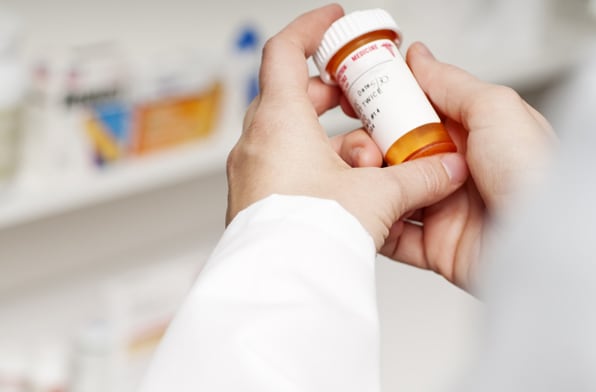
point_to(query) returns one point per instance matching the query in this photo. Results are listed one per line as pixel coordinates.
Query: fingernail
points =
(424, 51)
(455, 167)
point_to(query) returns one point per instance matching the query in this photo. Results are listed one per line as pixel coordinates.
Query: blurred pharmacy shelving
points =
(538, 60)
(23, 203)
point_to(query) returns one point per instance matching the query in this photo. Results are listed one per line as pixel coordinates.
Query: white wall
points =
(506, 41)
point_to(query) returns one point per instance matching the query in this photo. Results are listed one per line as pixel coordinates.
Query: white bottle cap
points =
(350, 27)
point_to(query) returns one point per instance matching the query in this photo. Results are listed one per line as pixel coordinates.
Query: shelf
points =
(23, 204)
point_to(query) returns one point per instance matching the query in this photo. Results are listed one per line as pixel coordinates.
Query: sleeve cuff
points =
(325, 215)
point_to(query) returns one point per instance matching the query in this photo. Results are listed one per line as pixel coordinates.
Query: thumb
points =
(423, 182)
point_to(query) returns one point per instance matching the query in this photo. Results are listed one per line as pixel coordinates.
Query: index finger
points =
(461, 96)
(283, 67)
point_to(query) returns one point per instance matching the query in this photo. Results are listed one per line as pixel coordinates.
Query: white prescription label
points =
(383, 92)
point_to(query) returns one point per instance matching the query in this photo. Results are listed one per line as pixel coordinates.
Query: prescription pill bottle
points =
(360, 53)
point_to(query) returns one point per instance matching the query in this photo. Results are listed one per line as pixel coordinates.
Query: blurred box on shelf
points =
(108, 126)
(96, 335)
(174, 120)
(140, 305)
(93, 106)
(65, 86)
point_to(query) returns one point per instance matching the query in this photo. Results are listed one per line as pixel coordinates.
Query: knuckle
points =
(421, 183)
(504, 93)
(279, 43)
(251, 148)
(433, 180)
(484, 102)
(269, 43)
(242, 151)
(396, 187)
(231, 161)
(260, 128)
(272, 44)
(250, 113)
(497, 95)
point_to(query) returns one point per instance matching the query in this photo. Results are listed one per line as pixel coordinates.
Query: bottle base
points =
(424, 141)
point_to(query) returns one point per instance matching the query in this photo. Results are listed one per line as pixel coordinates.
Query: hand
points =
(506, 144)
(283, 148)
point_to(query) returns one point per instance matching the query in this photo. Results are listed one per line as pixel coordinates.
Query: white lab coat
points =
(286, 302)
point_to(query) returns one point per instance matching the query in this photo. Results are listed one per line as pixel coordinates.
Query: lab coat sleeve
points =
(286, 302)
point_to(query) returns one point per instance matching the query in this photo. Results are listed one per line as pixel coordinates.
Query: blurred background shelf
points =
(22, 204)
(560, 48)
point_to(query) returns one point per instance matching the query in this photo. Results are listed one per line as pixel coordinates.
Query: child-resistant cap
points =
(350, 27)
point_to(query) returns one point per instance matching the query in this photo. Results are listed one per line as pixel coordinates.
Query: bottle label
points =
(383, 92)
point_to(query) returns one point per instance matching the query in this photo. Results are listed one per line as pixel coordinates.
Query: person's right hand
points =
(506, 144)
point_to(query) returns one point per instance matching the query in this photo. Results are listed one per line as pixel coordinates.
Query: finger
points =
(414, 217)
(323, 96)
(544, 124)
(464, 98)
(448, 241)
(283, 66)
(346, 107)
(458, 135)
(405, 244)
(357, 149)
(422, 182)
(452, 90)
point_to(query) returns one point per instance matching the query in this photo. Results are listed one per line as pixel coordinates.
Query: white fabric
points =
(287, 300)
(286, 303)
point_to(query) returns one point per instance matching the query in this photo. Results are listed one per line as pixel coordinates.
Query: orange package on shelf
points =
(171, 121)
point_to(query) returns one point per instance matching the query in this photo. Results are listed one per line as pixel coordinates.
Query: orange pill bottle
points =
(360, 53)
